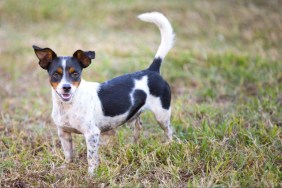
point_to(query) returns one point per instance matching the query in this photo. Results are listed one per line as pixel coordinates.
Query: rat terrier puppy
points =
(90, 108)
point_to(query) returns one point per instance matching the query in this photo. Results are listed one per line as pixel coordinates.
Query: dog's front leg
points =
(92, 142)
(66, 141)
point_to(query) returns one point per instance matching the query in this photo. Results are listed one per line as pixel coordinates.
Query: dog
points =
(91, 108)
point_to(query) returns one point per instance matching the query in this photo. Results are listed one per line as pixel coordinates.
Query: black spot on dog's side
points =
(139, 97)
(115, 94)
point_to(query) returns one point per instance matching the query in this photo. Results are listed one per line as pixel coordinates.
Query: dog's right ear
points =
(45, 56)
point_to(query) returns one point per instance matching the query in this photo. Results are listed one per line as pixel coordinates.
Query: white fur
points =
(142, 84)
(167, 35)
(64, 80)
(65, 114)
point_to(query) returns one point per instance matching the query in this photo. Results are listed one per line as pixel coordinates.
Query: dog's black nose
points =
(66, 87)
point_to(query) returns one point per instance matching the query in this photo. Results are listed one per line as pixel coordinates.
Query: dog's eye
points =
(75, 75)
(56, 75)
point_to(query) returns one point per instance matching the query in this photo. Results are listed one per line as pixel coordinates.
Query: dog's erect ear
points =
(45, 56)
(84, 58)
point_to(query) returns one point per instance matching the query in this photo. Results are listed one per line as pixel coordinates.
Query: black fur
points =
(139, 97)
(156, 65)
(158, 87)
(70, 62)
(166, 96)
(115, 94)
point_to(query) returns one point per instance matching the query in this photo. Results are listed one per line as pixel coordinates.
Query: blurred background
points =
(224, 71)
(211, 36)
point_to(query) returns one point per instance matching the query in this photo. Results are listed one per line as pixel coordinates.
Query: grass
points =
(225, 75)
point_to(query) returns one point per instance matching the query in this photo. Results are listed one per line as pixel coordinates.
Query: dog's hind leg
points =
(163, 118)
(137, 129)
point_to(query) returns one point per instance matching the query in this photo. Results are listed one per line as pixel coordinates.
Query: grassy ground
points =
(225, 75)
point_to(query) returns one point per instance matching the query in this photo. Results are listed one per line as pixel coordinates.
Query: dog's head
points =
(64, 72)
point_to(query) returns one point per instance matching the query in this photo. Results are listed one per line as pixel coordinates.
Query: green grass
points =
(226, 80)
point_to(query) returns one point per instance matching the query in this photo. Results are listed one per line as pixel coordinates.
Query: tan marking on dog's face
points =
(71, 70)
(54, 84)
(60, 70)
(76, 84)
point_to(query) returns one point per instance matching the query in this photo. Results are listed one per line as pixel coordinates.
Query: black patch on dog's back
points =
(115, 94)
(139, 97)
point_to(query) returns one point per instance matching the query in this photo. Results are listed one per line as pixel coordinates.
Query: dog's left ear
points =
(84, 58)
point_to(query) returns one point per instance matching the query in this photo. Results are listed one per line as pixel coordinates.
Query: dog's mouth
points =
(65, 96)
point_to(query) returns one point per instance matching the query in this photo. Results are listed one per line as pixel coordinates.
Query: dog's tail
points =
(167, 37)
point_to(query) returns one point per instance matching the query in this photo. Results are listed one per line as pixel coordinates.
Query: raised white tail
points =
(167, 36)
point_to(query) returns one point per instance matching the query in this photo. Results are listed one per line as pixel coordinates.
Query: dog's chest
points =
(75, 117)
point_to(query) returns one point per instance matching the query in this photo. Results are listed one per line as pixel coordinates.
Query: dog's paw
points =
(63, 166)
(91, 170)
(67, 161)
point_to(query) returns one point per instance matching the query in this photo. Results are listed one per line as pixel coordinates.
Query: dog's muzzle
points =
(66, 95)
